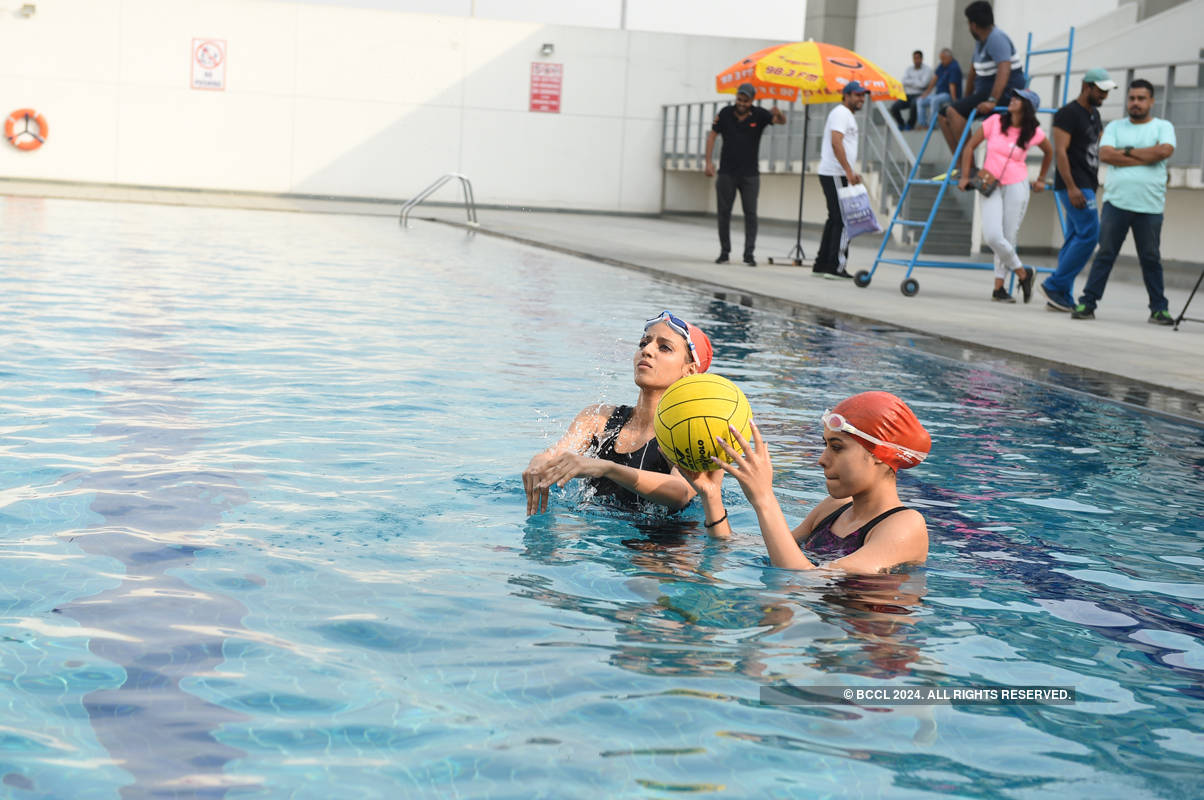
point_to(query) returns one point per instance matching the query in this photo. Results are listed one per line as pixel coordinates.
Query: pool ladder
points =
(470, 203)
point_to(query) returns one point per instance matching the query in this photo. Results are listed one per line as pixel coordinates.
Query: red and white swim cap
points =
(883, 425)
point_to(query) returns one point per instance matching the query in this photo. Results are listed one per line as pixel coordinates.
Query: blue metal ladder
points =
(910, 286)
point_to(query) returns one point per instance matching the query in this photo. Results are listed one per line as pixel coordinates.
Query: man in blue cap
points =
(741, 126)
(1076, 133)
(838, 154)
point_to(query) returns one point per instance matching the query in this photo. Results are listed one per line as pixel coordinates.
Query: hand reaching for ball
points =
(707, 484)
(750, 466)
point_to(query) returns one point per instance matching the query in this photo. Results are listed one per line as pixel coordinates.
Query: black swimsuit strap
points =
(827, 521)
(613, 427)
(863, 531)
(618, 418)
(869, 526)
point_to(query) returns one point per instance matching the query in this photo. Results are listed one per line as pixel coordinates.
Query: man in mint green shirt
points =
(1135, 150)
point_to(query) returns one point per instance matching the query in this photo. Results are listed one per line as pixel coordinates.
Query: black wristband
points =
(706, 524)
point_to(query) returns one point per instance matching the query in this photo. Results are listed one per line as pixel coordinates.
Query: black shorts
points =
(967, 103)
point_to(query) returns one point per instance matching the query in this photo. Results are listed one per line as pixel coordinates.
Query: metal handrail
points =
(684, 129)
(882, 140)
(470, 203)
(1170, 102)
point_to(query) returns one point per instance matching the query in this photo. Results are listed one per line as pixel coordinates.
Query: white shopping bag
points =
(857, 211)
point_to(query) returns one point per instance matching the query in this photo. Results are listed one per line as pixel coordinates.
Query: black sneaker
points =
(1081, 311)
(723, 259)
(818, 272)
(1001, 295)
(1161, 318)
(838, 273)
(1056, 302)
(752, 262)
(1026, 285)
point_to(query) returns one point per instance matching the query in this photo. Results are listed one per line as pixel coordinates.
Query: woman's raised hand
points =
(749, 465)
(537, 496)
(554, 469)
(705, 483)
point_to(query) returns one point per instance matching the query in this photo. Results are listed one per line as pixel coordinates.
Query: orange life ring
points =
(26, 139)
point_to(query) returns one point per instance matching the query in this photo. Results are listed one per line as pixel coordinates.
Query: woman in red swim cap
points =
(614, 447)
(861, 527)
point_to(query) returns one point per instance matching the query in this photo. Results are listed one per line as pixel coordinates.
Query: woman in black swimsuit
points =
(861, 527)
(614, 447)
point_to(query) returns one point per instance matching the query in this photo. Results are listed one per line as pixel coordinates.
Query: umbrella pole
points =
(796, 255)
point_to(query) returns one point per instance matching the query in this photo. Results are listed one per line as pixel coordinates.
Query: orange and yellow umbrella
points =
(814, 71)
(745, 71)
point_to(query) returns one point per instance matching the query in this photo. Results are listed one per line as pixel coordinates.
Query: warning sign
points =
(545, 86)
(209, 64)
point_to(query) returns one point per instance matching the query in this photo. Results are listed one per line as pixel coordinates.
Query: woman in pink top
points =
(1008, 137)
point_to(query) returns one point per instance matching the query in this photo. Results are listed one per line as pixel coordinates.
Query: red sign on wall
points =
(545, 86)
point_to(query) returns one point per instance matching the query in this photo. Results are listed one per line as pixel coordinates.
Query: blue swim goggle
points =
(677, 325)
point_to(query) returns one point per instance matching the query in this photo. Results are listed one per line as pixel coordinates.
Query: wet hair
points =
(1142, 83)
(1028, 122)
(979, 12)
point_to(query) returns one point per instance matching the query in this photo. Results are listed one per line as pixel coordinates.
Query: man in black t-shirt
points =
(1076, 131)
(741, 126)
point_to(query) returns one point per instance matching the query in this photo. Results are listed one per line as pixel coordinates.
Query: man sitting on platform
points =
(916, 79)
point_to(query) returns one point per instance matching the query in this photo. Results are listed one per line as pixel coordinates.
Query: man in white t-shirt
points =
(836, 160)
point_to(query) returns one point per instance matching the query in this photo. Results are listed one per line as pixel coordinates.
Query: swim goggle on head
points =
(837, 423)
(677, 325)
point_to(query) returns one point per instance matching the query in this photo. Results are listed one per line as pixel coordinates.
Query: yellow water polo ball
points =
(692, 412)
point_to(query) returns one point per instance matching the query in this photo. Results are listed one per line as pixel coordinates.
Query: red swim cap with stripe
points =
(885, 417)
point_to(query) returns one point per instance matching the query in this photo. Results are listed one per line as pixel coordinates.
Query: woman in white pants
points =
(1009, 137)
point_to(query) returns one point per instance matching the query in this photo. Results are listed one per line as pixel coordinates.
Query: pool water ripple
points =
(264, 535)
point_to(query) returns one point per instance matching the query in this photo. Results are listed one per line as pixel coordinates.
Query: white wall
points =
(1107, 31)
(1046, 19)
(772, 19)
(323, 99)
(888, 31)
(1119, 40)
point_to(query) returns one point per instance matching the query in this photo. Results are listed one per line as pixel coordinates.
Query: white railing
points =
(685, 127)
(1178, 97)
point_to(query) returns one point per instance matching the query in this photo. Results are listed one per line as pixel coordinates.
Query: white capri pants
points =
(1002, 214)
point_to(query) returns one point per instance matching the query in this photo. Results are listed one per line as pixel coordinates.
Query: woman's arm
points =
(670, 490)
(1047, 152)
(709, 485)
(976, 139)
(754, 471)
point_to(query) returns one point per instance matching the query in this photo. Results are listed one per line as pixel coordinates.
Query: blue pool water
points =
(263, 535)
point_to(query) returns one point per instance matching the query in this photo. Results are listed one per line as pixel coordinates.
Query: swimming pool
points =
(264, 536)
